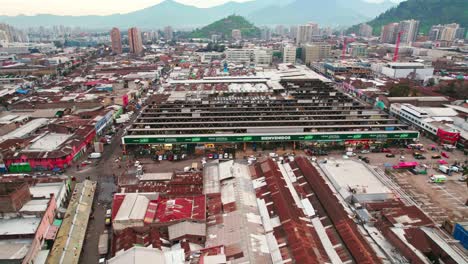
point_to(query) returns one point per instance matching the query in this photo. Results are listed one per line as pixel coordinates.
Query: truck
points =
(444, 169)
(438, 178)
(103, 244)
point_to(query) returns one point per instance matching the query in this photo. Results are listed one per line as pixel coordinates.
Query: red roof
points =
(118, 200)
(180, 208)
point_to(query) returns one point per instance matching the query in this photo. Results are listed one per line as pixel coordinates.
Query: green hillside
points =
(428, 12)
(225, 26)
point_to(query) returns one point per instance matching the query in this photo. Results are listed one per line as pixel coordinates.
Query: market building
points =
(291, 108)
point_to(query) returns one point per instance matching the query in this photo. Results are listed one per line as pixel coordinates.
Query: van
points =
(444, 169)
(438, 178)
(95, 155)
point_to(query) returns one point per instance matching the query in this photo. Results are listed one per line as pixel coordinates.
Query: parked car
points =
(390, 155)
(420, 157)
(435, 156)
(365, 159)
(95, 155)
(386, 150)
(365, 151)
(455, 168)
(445, 155)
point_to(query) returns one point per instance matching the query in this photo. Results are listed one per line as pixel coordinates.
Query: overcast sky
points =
(94, 7)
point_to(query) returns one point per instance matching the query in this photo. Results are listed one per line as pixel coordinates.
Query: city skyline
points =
(103, 7)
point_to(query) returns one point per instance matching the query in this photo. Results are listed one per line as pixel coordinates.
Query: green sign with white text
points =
(270, 138)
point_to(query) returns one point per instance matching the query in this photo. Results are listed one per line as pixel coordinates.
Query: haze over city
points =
(215, 132)
(102, 7)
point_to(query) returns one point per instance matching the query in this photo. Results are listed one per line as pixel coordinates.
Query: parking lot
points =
(440, 201)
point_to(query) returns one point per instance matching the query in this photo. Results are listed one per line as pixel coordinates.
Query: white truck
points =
(444, 169)
(103, 245)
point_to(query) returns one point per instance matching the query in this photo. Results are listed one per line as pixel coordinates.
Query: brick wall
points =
(13, 196)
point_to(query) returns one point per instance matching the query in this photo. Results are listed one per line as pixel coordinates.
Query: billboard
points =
(268, 138)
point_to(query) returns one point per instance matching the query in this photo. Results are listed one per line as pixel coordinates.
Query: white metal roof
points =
(139, 208)
(29, 127)
(35, 206)
(186, 228)
(43, 190)
(162, 176)
(345, 174)
(19, 226)
(139, 255)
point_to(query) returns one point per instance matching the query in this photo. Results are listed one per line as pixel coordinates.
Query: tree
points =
(400, 90)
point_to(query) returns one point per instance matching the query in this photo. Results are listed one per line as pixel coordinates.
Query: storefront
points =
(217, 143)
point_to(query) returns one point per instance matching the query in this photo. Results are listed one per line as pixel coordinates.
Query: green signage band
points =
(268, 138)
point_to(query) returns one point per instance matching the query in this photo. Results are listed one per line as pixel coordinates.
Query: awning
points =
(52, 232)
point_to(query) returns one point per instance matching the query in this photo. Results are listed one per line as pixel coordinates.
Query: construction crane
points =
(397, 46)
(343, 53)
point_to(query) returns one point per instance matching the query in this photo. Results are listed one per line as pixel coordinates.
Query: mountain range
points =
(260, 12)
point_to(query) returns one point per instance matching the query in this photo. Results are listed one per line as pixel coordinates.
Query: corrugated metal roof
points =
(139, 208)
(186, 228)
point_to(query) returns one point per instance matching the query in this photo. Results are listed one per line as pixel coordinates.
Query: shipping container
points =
(461, 233)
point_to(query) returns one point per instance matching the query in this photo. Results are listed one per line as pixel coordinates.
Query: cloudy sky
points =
(94, 7)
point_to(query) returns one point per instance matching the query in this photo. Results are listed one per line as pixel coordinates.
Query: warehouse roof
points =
(139, 255)
(186, 228)
(19, 226)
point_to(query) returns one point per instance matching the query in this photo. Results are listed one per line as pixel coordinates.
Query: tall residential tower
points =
(116, 40)
(134, 40)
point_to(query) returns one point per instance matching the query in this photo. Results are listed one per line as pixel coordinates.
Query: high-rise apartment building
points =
(280, 30)
(236, 34)
(289, 54)
(315, 52)
(460, 33)
(448, 32)
(265, 34)
(168, 33)
(365, 30)
(306, 32)
(409, 30)
(116, 41)
(435, 31)
(293, 32)
(134, 40)
(389, 33)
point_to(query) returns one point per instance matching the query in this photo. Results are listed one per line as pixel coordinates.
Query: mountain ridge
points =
(179, 15)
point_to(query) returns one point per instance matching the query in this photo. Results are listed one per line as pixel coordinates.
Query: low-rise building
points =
(414, 70)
